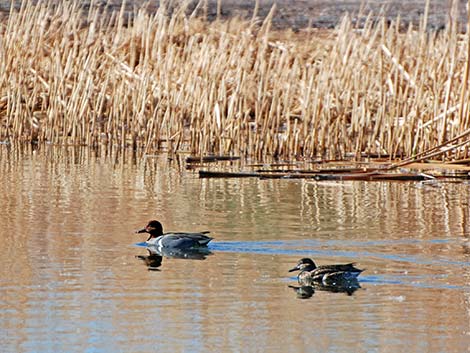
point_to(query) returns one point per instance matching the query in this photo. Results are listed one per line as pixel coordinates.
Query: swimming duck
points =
(326, 274)
(173, 240)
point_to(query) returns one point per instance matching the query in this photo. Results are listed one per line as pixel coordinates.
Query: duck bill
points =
(296, 268)
(143, 230)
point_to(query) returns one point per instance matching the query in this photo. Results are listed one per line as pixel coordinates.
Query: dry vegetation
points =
(75, 76)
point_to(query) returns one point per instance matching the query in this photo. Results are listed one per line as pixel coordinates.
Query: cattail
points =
(180, 83)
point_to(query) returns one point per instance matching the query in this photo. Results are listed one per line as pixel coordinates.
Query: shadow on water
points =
(313, 248)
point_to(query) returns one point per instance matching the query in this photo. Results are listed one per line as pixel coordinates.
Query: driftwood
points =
(210, 174)
(366, 176)
(319, 171)
(441, 169)
(369, 176)
(372, 171)
(434, 151)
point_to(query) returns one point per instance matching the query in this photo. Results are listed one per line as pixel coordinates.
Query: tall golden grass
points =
(176, 82)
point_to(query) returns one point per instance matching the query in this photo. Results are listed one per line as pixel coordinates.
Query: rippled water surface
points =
(71, 281)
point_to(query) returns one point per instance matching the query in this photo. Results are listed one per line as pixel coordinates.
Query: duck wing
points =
(338, 268)
(184, 240)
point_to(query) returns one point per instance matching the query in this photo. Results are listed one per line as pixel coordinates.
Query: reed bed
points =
(76, 76)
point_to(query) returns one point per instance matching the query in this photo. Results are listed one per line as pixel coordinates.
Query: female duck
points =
(326, 274)
(173, 240)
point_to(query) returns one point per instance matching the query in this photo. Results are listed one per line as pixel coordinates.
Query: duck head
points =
(304, 264)
(154, 228)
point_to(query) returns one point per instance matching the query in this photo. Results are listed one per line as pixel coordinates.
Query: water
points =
(70, 279)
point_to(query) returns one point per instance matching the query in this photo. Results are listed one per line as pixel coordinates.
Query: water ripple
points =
(312, 247)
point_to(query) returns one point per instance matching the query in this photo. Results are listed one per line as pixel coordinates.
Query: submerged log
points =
(364, 176)
(369, 176)
(212, 174)
(319, 171)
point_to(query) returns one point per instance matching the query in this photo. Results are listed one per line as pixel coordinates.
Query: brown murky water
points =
(70, 279)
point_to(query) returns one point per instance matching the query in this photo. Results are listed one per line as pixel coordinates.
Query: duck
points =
(173, 240)
(327, 274)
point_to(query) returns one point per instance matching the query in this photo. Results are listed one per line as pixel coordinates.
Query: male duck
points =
(326, 274)
(173, 240)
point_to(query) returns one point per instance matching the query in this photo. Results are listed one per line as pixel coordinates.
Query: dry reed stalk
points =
(70, 76)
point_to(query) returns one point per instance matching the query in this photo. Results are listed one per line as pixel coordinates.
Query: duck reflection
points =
(305, 291)
(153, 260)
(348, 287)
(156, 254)
(189, 254)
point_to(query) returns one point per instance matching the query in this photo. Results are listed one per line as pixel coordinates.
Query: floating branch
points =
(365, 176)
(212, 174)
